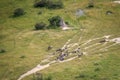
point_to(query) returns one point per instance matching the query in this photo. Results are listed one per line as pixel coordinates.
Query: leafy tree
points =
(55, 21)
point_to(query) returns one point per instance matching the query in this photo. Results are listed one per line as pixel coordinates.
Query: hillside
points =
(91, 45)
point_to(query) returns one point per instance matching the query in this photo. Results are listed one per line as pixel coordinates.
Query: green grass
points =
(19, 40)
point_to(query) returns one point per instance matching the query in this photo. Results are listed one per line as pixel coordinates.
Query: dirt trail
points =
(117, 2)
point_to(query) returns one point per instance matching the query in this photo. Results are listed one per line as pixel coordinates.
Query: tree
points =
(55, 21)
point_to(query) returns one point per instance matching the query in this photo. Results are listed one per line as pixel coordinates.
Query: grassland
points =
(25, 48)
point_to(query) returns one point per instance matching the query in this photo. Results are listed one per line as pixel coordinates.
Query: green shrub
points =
(81, 76)
(97, 69)
(55, 21)
(67, 23)
(2, 51)
(18, 12)
(49, 4)
(40, 26)
(42, 3)
(55, 5)
(90, 4)
(40, 12)
(22, 56)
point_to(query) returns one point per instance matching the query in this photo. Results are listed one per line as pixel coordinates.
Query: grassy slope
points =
(19, 39)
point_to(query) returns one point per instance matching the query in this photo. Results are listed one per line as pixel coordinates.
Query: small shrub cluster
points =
(2, 51)
(42, 3)
(40, 12)
(81, 76)
(90, 4)
(18, 12)
(40, 26)
(22, 56)
(55, 5)
(49, 4)
(97, 69)
(55, 21)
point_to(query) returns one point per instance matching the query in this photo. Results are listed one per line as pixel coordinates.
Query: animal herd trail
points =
(94, 47)
(104, 48)
(66, 44)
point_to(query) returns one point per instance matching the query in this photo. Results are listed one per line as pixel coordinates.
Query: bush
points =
(40, 12)
(97, 69)
(22, 56)
(40, 26)
(42, 3)
(2, 51)
(55, 21)
(18, 12)
(55, 5)
(91, 4)
(81, 76)
(67, 23)
(49, 4)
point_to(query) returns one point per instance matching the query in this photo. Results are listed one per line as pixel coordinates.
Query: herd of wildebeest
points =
(63, 53)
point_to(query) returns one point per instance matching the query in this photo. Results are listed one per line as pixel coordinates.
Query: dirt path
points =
(117, 2)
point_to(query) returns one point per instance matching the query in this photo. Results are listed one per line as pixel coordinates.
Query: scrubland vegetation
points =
(28, 27)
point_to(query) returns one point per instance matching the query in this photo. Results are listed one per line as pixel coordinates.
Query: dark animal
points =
(74, 51)
(102, 41)
(59, 50)
(49, 48)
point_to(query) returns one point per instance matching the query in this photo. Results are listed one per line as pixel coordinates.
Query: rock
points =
(80, 12)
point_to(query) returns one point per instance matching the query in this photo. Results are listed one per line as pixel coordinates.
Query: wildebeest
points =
(102, 41)
(61, 58)
(59, 50)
